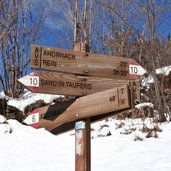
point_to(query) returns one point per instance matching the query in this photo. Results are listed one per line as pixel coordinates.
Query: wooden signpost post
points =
(84, 63)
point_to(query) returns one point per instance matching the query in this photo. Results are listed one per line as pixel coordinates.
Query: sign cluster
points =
(102, 80)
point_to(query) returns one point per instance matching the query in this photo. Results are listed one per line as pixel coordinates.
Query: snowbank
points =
(29, 149)
(165, 70)
(146, 104)
(28, 98)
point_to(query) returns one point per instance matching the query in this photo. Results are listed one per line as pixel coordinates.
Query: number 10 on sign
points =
(30, 81)
(136, 70)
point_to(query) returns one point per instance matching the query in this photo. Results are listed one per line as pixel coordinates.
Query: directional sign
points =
(91, 105)
(84, 63)
(33, 119)
(50, 110)
(68, 84)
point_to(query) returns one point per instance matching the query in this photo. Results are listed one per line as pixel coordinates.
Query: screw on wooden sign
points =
(84, 63)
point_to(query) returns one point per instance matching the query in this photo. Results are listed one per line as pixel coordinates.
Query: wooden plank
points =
(51, 112)
(84, 63)
(91, 105)
(70, 125)
(68, 84)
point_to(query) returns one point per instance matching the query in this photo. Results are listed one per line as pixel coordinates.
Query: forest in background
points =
(138, 29)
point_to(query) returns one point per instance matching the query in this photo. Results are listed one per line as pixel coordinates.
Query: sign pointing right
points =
(135, 70)
(83, 63)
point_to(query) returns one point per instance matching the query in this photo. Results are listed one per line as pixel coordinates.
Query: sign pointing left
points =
(110, 100)
(68, 84)
(30, 81)
(33, 119)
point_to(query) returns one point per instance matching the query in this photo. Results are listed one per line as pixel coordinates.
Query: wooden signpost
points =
(84, 63)
(105, 82)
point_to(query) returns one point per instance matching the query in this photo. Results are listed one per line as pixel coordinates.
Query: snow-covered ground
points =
(29, 149)
(23, 148)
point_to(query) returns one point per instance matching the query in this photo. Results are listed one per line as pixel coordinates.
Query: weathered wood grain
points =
(91, 105)
(82, 63)
(69, 84)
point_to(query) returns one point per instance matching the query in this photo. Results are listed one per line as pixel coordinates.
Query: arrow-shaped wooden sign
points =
(91, 105)
(68, 84)
(33, 119)
(83, 63)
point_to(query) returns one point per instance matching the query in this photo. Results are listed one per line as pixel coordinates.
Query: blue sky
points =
(58, 28)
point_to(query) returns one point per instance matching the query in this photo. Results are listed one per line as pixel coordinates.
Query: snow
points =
(29, 98)
(115, 144)
(120, 153)
(2, 119)
(147, 80)
(138, 106)
(3, 96)
(165, 70)
(29, 149)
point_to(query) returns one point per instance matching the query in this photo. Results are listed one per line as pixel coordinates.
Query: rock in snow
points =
(2, 119)
(4, 126)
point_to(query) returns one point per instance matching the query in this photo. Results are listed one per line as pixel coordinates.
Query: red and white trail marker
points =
(30, 81)
(135, 70)
(33, 119)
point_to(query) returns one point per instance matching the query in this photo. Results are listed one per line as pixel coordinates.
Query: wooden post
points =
(82, 146)
(82, 133)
